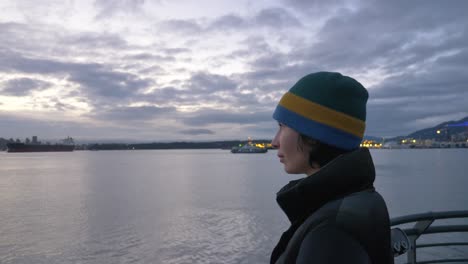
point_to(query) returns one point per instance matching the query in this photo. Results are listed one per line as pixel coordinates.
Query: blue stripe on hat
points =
(315, 130)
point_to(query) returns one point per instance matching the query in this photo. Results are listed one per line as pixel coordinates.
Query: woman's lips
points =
(281, 158)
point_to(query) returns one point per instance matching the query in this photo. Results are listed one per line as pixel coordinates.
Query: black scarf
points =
(349, 173)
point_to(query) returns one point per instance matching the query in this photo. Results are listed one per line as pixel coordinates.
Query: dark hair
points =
(320, 152)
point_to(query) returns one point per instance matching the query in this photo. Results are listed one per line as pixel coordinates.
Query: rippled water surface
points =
(185, 206)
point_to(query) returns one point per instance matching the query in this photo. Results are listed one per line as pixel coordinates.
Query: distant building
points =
(370, 144)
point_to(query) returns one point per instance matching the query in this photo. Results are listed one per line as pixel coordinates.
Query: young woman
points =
(335, 213)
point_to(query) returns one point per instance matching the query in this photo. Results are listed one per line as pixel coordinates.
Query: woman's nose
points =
(275, 141)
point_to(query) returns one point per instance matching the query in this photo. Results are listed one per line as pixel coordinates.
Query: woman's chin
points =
(291, 171)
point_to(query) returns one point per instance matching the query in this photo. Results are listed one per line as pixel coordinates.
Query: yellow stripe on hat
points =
(323, 114)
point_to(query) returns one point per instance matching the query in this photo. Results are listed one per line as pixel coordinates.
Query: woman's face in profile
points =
(294, 157)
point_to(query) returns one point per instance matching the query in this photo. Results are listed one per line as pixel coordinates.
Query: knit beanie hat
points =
(326, 106)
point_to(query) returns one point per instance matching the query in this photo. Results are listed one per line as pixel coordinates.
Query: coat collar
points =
(348, 173)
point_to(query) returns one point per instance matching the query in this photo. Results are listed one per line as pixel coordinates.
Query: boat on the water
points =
(248, 148)
(66, 145)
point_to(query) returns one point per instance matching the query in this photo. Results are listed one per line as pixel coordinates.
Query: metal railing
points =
(422, 226)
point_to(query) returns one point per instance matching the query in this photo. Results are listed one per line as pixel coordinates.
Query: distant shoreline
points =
(170, 145)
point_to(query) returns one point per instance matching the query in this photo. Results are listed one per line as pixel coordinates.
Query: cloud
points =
(228, 22)
(205, 82)
(153, 70)
(456, 60)
(95, 41)
(163, 95)
(55, 41)
(438, 81)
(133, 113)
(181, 26)
(98, 81)
(22, 86)
(95, 80)
(149, 57)
(175, 51)
(207, 117)
(196, 132)
(108, 8)
(205, 89)
(348, 40)
(271, 18)
(63, 107)
(314, 5)
(276, 18)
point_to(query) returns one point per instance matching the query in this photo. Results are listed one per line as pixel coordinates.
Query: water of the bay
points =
(187, 206)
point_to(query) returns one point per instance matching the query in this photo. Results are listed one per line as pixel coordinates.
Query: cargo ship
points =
(66, 145)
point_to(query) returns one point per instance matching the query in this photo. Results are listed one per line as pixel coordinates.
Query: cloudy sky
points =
(210, 69)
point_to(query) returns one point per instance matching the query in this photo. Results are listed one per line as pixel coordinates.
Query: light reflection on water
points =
(221, 236)
(183, 206)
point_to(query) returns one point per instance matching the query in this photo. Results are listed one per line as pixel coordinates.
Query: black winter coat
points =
(336, 216)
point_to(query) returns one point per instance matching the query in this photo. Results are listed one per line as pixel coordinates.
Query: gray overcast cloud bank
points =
(219, 75)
